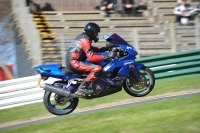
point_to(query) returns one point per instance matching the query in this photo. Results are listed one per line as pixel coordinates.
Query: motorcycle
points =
(119, 72)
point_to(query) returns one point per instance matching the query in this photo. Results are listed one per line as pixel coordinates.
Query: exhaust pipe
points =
(58, 90)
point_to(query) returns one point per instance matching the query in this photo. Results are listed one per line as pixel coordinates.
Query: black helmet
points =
(92, 31)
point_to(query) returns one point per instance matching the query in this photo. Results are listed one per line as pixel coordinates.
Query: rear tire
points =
(59, 107)
(143, 87)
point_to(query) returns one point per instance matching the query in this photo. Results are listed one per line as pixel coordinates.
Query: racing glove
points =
(103, 49)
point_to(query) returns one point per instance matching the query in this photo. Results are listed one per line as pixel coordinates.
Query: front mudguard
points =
(138, 65)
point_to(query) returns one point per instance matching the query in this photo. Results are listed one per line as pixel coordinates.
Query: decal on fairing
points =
(128, 47)
(126, 63)
(107, 66)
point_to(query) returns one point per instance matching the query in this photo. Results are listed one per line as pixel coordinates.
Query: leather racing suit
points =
(80, 49)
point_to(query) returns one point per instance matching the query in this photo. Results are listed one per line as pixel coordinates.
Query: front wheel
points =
(59, 105)
(141, 87)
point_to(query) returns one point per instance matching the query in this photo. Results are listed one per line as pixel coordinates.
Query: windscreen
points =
(114, 38)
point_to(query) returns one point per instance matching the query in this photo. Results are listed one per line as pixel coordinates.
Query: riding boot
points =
(82, 88)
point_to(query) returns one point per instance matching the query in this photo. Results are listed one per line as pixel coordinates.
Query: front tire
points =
(142, 87)
(59, 105)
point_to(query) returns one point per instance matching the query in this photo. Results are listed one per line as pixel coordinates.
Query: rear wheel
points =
(142, 87)
(59, 105)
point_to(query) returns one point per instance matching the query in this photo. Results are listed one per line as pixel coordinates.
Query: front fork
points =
(135, 72)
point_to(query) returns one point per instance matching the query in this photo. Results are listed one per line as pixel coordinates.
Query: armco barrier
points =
(20, 91)
(176, 64)
(23, 91)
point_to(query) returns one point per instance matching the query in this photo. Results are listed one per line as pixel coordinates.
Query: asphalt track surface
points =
(151, 99)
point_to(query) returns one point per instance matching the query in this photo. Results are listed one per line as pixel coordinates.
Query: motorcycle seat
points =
(67, 71)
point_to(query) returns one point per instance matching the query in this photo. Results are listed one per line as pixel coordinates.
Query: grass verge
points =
(175, 115)
(162, 86)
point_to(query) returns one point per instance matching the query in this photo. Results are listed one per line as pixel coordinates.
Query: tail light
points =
(37, 71)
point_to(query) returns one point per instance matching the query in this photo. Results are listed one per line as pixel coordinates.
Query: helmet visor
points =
(96, 35)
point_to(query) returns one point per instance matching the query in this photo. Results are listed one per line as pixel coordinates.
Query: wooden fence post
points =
(136, 41)
(173, 37)
(197, 30)
(62, 40)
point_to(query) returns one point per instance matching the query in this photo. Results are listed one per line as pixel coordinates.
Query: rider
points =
(80, 49)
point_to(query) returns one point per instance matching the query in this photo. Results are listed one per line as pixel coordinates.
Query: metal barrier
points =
(23, 91)
(176, 64)
(20, 92)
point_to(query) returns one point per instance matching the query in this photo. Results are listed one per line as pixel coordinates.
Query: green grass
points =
(161, 86)
(175, 115)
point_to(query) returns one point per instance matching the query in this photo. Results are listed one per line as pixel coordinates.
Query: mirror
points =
(106, 36)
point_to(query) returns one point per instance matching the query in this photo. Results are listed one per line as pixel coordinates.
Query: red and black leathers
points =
(80, 49)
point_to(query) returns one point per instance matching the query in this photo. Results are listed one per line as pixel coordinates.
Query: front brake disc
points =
(141, 84)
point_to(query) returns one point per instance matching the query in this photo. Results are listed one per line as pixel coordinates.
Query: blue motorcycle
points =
(119, 72)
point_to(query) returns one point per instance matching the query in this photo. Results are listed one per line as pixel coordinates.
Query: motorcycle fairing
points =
(116, 39)
(106, 91)
(105, 80)
(122, 73)
(125, 65)
(50, 70)
(130, 49)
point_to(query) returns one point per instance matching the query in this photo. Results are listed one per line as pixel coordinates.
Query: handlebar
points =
(119, 52)
(117, 49)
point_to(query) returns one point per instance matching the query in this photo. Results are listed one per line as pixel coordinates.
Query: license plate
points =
(39, 81)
